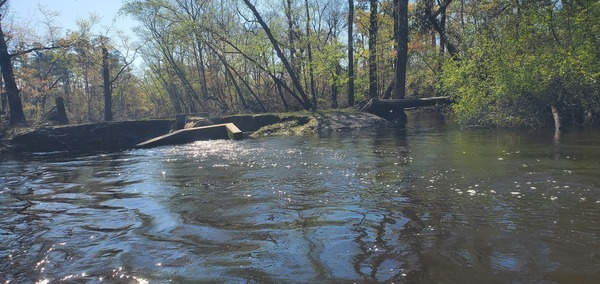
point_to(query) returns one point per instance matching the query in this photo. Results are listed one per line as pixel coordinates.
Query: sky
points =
(28, 11)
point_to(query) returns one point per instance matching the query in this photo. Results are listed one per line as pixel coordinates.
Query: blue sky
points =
(70, 11)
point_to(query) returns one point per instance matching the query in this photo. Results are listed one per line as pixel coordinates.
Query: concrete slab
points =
(189, 135)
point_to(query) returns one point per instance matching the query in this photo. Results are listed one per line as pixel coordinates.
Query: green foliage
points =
(524, 62)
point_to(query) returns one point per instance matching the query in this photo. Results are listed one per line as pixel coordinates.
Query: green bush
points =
(509, 77)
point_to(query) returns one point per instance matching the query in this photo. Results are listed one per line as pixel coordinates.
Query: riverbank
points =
(122, 135)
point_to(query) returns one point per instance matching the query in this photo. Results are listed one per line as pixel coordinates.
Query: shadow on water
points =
(429, 203)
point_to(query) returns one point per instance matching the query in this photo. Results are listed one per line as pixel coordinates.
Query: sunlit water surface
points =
(428, 204)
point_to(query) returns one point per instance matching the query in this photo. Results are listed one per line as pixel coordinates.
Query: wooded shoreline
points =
(501, 63)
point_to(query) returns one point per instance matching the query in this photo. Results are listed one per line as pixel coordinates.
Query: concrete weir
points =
(188, 135)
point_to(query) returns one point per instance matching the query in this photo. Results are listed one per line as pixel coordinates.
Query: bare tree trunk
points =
(87, 89)
(556, 116)
(166, 50)
(4, 103)
(387, 94)
(67, 91)
(401, 21)
(334, 86)
(277, 80)
(230, 71)
(429, 7)
(108, 115)
(229, 74)
(201, 70)
(443, 28)
(311, 71)
(431, 16)
(305, 100)
(291, 35)
(61, 112)
(350, 52)
(373, 28)
(462, 16)
(262, 106)
(282, 96)
(17, 115)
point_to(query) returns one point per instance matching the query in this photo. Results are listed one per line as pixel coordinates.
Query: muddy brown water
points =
(429, 204)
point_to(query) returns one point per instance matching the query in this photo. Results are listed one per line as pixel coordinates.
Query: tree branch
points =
(442, 7)
(55, 82)
(307, 103)
(37, 48)
(124, 67)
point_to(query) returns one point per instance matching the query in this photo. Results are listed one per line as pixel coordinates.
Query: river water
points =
(429, 204)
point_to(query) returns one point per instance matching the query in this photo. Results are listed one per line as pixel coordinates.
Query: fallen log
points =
(395, 104)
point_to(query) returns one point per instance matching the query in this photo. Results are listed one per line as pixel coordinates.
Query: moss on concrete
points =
(322, 121)
(294, 126)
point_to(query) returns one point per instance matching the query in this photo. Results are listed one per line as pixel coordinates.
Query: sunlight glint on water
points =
(425, 205)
